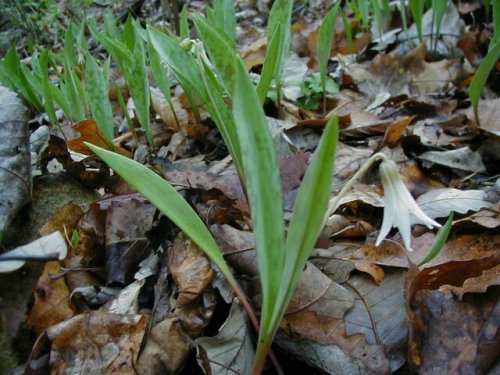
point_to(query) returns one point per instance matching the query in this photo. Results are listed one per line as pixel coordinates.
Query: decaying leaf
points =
(440, 202)
(463, 159)
(167, 348)
(190, 268)
(104, 342)
(90, 133)
(231, 350)
(127, 224)
(196, 315)
(52, 300)
(169, 118)
(489, 112)
(487, 217)
(454, 317)
(127, 301)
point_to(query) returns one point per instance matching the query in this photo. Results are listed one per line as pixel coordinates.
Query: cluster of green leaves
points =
(314, 91)
(281, 257)
(75, 95)
(82, 83)
(38, 90)
(366, 12)
(41, 22)
(210, 72)
(128, 50)
(30, 17)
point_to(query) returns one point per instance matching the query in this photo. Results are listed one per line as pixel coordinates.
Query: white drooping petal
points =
(399, 205)
(389, 212)
(404, 227)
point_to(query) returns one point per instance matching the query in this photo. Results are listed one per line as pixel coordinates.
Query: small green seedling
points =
(313, 92)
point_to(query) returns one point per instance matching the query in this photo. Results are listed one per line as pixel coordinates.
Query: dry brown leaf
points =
(126, 240)
(447, 334)
(353, 353)
(388, 253)
(479, 284)
(394, 131)
(176, 120)
(90, 133)
(255, 53)
(377, 273)
(63, 220)
(196, 315)
(191, 270)
(52, 302)
(166, 350)
(107, 343)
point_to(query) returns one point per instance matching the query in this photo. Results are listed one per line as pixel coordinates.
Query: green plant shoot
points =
(481, 76)
(417, 12)
(325, 40)
(97, 92)
(440, 241)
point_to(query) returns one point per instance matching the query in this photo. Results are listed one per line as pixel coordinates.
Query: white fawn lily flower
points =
(399, 205)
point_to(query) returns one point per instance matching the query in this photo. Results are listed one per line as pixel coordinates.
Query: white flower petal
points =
(387, 221)
(404, 227)
(399, 205)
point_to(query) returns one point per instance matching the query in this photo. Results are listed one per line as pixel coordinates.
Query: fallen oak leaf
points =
(90, 133)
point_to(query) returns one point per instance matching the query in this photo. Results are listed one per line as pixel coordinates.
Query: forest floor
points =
(135, 296)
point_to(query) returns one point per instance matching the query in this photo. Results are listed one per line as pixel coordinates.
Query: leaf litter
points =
(133, 295)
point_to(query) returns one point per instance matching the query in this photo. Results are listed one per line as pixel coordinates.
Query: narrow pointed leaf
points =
(200, 84)
(312, 201)
(160, 74)
(137, 82)
(281, 14)
(325, 39)
(273, 58)
(307, 218)
(110, 26)
(219, 48)
(48, 101)
(222, 116)
(97, 93)
(417, 12)
(225, 12)
(264, 193)
(13, 69)
(183, 24)
(481, 76)
(179, 61)
(441, 237)
(439, 8)
(161, 194)
(72, 93)
(69, 46)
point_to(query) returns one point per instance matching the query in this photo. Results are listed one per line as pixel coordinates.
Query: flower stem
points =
(334, 202)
